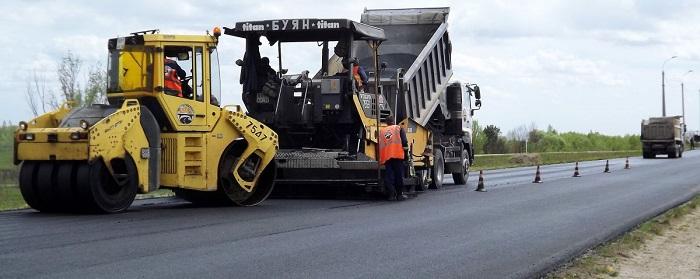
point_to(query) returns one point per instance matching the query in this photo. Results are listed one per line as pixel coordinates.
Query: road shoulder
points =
(667, 246)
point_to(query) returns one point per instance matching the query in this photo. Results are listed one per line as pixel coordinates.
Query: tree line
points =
(490, 140)
(41, 98)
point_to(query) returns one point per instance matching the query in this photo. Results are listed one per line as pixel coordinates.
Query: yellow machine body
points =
(174, 141)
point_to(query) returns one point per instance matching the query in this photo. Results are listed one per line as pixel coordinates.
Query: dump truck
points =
(662, 135)
(154, 133)
(328, 121)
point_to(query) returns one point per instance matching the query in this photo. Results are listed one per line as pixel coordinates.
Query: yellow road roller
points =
(163, 127)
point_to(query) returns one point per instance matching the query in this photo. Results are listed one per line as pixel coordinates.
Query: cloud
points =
(544, 68)
(560, 54)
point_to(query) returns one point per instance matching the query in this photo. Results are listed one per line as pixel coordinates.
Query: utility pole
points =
(663, 86)
(683, 99)
(683, 102)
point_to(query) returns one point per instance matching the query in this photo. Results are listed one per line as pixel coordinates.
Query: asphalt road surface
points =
(515, 230)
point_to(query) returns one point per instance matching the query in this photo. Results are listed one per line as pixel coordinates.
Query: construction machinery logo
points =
(185, 113)
(387, 135)
(289, 24)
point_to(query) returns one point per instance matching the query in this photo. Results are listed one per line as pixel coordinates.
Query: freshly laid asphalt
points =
(515, 230)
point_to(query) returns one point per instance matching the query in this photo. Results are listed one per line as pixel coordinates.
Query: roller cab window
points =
(178, 71)
(130, 69)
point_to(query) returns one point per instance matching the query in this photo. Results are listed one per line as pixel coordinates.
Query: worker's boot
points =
(401, 196)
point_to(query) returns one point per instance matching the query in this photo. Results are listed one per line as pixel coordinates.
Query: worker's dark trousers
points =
(393, 176)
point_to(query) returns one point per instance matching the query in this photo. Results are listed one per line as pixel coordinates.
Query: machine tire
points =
(460, 178)
(65, 186)
(673, 153)
(106, 194)
(680, 152)
(438, 170)
(46, 176)
(27, 184)
(646, 155)
(240, 197)
(423, 184)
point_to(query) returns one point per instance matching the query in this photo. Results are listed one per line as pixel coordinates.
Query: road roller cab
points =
(163, 127)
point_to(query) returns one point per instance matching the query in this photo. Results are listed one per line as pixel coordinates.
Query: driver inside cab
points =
(175, 79)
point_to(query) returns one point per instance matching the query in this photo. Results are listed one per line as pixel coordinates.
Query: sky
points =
(576, 65)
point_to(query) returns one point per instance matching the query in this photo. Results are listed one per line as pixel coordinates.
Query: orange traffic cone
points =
(480, 187)
(576, 174)
(607, 166)
(538, 179)
(627, 163)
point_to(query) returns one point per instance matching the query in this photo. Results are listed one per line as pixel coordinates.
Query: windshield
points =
(215, 77)
(130, 69)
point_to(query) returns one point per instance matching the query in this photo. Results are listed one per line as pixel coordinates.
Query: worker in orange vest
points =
(359, 75)
(174, 75)
(392, 148)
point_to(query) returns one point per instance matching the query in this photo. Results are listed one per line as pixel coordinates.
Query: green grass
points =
(497, 161)
(11, 198)
(6, 158)
(598, 263)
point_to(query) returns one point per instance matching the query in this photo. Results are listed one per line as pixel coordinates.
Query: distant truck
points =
(662, 135)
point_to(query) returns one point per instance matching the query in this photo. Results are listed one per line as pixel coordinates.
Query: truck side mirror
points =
(477, 103)
(477, 94)
(239, 62)
(284, 71)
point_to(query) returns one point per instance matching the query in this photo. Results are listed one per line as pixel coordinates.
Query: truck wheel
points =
(680, 152)
(227, 182)
(423, 183)
(646, 155)
(460, 178)
(673, 153)
(438, 170)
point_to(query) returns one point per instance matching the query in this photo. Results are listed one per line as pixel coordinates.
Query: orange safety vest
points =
(356, 76)
(171, 82)
(390, 144)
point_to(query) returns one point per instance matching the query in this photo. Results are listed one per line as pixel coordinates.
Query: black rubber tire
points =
(106, 195)
(460, 178)
(240, 197)
(438, 173)
(27, 184)
(674, 153)
(423, 184)
(646, 155)
(65, 186)
(45, 185)
(82, 187)
(680, 152)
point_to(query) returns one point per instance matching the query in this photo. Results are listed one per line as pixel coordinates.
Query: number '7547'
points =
(255, 131)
